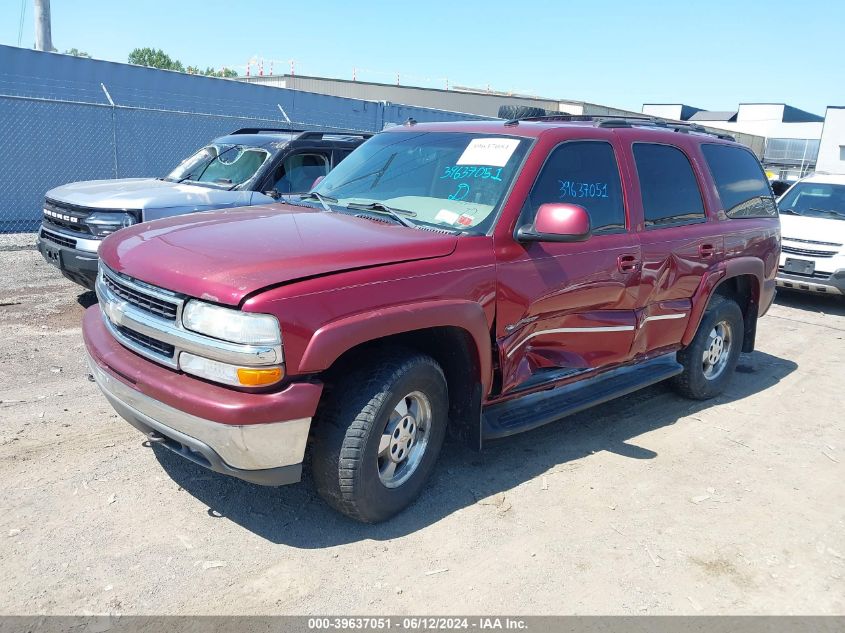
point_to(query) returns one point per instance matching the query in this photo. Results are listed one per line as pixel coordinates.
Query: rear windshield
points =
(220, 165)
(455, 180)
(814, 199)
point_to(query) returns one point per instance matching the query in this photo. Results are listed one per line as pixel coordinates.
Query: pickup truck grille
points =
(56, 238)
(795, 239)
(159, 347)
(806, 252)
(147, 303)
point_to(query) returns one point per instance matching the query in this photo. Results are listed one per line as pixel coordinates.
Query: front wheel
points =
(711, 357)
(379, 435)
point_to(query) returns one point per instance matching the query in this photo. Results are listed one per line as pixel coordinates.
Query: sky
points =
(711, 55)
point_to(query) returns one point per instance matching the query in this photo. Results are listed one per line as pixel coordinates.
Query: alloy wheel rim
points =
(717, 350)
(404, 439)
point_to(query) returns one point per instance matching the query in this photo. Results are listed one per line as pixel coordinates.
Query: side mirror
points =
(317, 181)
(557, 222)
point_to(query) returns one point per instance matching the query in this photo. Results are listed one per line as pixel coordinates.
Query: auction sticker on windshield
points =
(489, 151)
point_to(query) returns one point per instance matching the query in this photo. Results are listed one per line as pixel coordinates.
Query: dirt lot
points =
(651, 504)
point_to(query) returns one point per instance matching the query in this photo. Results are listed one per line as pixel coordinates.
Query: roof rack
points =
(302, 134)
(339, 133)
(626, 121)
(259, 130)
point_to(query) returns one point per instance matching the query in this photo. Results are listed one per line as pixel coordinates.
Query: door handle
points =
(706, 250)
(627, 263)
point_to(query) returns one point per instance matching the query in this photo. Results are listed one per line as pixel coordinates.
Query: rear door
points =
(563, 308)
(679, 238)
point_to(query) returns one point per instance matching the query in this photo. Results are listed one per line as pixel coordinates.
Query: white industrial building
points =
(831, 158)
(458, 99)
(791, 136)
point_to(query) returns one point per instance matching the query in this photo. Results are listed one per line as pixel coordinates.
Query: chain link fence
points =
(65, 119)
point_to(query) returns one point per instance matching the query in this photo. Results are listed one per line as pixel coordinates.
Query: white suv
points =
(812, 217)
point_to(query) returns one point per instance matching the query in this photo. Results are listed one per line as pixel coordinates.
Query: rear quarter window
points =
(743, 188)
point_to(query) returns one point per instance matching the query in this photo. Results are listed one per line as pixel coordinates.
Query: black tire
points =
(693, 382)
(511, 112)
(345, 455)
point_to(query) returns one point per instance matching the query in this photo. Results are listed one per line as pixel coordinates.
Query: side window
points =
(668, 185)
(340, 154)
(298, 172)
(743, 187)
(583, 173)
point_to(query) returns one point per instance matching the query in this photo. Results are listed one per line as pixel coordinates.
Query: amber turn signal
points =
(259, 377)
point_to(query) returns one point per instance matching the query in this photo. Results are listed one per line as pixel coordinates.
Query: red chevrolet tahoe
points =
(481, 278)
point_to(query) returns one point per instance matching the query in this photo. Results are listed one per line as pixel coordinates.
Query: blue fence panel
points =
(48, 144)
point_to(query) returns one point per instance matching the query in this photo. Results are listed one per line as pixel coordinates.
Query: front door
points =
(563, 308)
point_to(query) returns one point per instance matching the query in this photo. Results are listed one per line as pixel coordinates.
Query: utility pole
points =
(43, 38)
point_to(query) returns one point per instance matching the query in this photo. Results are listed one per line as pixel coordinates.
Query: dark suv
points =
(247, 167)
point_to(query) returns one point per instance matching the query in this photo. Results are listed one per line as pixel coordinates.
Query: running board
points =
(537, 409)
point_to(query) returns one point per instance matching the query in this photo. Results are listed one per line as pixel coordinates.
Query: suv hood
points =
(812, 229)
(223, 256)
(144, 193)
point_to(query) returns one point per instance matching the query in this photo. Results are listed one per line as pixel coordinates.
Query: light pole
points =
(43, 39)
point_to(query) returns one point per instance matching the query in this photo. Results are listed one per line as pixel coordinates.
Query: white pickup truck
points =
(813, 227)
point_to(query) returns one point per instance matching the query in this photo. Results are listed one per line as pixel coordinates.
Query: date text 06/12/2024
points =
(416, 623)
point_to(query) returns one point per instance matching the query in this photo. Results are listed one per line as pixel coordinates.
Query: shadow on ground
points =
(87, 299)
(296, 516)
(816, 302)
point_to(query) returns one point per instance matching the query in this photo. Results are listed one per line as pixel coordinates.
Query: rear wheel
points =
(710, 359)
(379, 435)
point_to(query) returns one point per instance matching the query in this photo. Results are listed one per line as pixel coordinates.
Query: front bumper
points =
(78, 265)
(258, 437)
(833, 284)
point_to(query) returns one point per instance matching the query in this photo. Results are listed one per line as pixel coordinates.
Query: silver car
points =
(248, 167)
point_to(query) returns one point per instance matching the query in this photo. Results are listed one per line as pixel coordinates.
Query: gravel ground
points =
(651, 504)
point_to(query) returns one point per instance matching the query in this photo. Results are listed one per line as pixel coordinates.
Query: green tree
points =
(154, 58)
(210, 72)
(77, 53)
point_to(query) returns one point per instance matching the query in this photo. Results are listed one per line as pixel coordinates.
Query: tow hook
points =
(155, 438)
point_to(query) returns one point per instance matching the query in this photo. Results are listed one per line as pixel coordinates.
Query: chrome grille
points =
(159, 347)
(147, 319)
(793, 250)
(147, 303)
(56, 238)
(795, 239)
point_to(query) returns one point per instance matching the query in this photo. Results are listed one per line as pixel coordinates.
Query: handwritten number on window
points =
(463, 172)
(573, 189)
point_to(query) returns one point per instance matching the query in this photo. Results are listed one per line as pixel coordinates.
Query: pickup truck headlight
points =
(229, 374)
(106, 222)
(231, 325)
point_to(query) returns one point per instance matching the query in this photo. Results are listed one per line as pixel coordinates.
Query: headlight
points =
(106, 223)
(229, 374)
(231, 325)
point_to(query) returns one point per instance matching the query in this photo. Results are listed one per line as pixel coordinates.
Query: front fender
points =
(332, 340)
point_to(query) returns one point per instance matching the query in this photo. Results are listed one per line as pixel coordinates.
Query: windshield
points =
(815, 199)
(450, 179)
(222, 164)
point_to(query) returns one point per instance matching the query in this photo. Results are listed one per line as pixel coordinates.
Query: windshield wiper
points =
(379, 207)
(313, 195)
(834, 212)
(788, 210)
